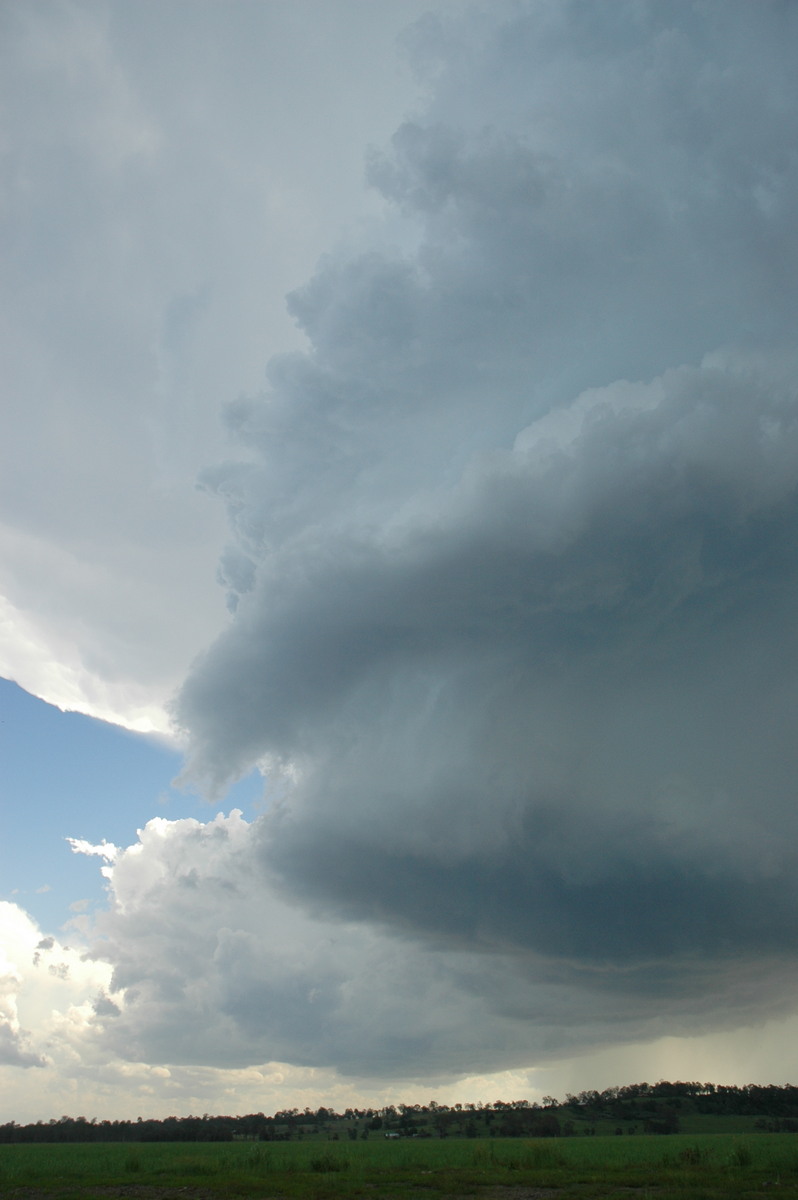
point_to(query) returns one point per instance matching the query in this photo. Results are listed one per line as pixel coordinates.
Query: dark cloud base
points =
(513, 563)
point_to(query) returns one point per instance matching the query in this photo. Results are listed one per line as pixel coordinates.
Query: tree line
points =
(644, 1107)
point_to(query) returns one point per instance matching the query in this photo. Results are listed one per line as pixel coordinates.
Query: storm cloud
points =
(513, 560)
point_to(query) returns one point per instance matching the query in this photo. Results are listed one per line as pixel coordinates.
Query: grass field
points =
(686, 1166)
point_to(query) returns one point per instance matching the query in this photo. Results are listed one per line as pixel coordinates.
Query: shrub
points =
(741, 1156)
(328, 1162)
(692, 1156)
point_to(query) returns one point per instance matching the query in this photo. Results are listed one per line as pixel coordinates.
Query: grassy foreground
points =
(685, 1166)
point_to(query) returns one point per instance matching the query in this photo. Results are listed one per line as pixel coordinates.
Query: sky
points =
(398, 526)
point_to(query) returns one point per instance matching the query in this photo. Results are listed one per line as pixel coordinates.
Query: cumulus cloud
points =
(43, 985)
(55, 1005)
(14, 1042)
(514, 564)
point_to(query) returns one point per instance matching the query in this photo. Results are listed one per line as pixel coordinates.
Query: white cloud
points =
(44, 991)
(106, 850)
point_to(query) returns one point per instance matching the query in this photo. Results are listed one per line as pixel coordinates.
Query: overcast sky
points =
(400, 447)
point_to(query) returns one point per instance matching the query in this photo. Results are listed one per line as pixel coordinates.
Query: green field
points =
(701, 1166)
